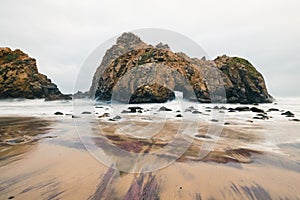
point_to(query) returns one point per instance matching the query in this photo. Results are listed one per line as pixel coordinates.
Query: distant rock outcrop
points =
(19, 78)
(81, 95)
(134, 72)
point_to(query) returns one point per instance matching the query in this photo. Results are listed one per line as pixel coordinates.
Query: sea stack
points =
(19, 78)
(128, 68)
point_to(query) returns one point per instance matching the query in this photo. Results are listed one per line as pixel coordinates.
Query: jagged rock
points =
(156, 72)
(126, 42)
(243, 83)
(138, 87)
(19, 78)
(81, 95)
(288, 114)
(162, 46)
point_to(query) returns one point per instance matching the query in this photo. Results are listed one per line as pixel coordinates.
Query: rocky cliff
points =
(126, 42)
(134, 72)
(19, 78)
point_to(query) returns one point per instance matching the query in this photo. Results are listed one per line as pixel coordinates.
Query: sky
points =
(61, 34)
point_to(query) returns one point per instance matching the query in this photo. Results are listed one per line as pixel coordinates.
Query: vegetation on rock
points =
(19, 78)
(137, 65)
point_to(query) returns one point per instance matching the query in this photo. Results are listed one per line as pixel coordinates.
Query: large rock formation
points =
(134, 72)
(19, 78)
(126, 42)
(243, 83)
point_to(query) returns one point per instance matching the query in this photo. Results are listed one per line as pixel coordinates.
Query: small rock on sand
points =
(58, 113)
(288, 114)
(163, 108)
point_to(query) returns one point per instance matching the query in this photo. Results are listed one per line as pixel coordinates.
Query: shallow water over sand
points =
(250, 160)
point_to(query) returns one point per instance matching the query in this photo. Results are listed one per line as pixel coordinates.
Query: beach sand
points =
(58, 166)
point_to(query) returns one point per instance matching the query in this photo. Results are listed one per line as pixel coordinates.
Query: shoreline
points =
(245, 158)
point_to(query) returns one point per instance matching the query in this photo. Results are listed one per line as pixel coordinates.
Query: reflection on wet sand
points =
(60, 168)
(16, 132)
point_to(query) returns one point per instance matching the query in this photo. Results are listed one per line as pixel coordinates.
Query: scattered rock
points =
(86, 113)
(226, 123)
(214, 120)
(163, 108)
(104, 115)
(257, 110)
(179, 115)
(261, 116)
(134, 109)
(196, 112)
(273, 109)
(295, 120)
(250, 121)
(288, 114)
(74, 116)
(126, 111)
(58, 113)
(241, 109)
(116, 118)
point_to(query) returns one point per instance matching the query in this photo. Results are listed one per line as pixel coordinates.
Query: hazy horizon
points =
(61, 35)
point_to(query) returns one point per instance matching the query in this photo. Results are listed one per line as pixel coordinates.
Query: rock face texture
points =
(243, 83)
(134, 72)
(19, 78)
(126, 42)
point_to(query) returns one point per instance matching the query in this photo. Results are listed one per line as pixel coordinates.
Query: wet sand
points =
(59, 167)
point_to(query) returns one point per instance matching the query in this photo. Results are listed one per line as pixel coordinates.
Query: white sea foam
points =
(275, 131)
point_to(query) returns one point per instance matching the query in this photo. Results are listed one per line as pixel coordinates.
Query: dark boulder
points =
(288, 114)
(163, 108)
(58, 113)
(257, 110)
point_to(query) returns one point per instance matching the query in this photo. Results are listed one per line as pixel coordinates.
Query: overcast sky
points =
(61, 34)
